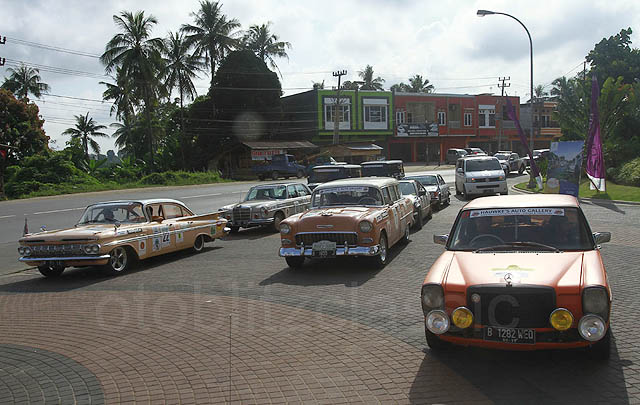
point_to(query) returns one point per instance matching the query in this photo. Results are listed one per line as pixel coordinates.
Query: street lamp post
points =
(482, 13)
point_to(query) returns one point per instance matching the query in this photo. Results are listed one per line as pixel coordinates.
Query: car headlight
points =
(462, 317)
(91, 249)
(437, 322)
(501, 177)
(24, 251)
(285, 229)
(592, 328)
(595, 300)
(365, 226)
(432, 297)
(561, 319)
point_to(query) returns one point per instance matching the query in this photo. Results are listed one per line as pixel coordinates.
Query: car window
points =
(154, 211)
(172, 211)
(266, 193)
(302, 190)
(386, 195)
(395, 195)
(346, 195)
(291, 191)
(407, 188)
(483, 164)
(112, 213)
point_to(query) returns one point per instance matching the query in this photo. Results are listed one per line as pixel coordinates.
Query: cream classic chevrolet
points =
(117, 233)
(267, 205)
(351, 217)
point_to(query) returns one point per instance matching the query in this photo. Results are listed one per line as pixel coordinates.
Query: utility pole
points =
(336, 121)
(502, 86)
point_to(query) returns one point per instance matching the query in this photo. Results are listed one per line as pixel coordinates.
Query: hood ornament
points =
(326, 214)
(508, 278)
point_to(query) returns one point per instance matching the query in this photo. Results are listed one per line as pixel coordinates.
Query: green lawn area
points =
(614, 191)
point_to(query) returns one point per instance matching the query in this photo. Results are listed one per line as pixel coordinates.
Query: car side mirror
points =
(459, 170)
(440, 239)
(602, 237)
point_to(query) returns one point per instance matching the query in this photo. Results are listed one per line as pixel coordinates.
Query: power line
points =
(52, 48)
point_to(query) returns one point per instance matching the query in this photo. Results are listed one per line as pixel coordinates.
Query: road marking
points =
(7, 216)
(201, 195)
(54, 211)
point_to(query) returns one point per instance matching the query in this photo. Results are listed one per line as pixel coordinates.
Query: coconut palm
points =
(265, 45)
(139, 58)
(25, 80)
(86, 128)
(126, 136)
(539, 92)
(212, 35)
(122, 95)
(369, 82)
(419, 85)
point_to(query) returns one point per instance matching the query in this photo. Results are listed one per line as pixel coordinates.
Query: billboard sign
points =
(563, 172)
(426, 129)
(265, 154)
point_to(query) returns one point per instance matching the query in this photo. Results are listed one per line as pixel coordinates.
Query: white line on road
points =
(54, 211)
(7, 216)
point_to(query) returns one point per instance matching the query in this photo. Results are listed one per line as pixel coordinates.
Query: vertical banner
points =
(511, 112)
(595, 157)
(565, 163)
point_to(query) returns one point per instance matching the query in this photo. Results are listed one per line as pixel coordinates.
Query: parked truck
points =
(283, 165)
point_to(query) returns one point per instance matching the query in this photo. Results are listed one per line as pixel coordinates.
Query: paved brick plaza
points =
(332, 332)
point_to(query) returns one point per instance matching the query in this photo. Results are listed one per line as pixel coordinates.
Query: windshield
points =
(381, 170)
(346, 195)
(484, 164)
(112, 213)
(427, 180)
(501, 156)
(407, 188)
(267, 193)
(325, 175)
(521, 228)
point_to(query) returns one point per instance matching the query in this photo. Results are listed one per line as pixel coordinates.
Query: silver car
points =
(480, 175)
(421, 201)
(267, 205)
(437, 188)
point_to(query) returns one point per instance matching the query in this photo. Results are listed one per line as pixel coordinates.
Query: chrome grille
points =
(57, 250)
(338, 237)
(241, 214)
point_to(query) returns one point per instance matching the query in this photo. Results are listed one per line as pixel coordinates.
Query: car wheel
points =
(380, 260)
(457, 191)
(505, 193)
(601, 350)
(277, 218)
(448, 199)
(405, 237)
(119, 261)
(300, 174)
(294, 262)
(465, 196)
(198, 244)
(435, 343)
(234, 229)
(275, 175)
(50, 271)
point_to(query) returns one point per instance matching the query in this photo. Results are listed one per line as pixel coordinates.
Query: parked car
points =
(474, 151)
(511, 161)
(477, 175)
(383, 168)
(324, 174)
(281, 166)
(454, 154)
(267, 206)
(538, 155)
(351, 217)
(115, 234)
(439, 192)
(420, 198)
(519, 273)
(322, 160)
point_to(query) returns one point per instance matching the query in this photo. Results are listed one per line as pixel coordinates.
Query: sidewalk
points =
(422, 167)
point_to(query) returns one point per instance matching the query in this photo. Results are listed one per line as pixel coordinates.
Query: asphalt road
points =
(64, 211)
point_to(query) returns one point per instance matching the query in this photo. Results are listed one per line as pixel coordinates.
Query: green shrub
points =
(153, 178)
(629, 173)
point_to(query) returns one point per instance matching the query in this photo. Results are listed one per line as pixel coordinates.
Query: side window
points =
(302, 191)
(394, 193)
(386, 196)
(171, 211)
(291, 191)
(154, 211)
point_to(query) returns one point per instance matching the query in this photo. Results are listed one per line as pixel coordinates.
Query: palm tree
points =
(25, 80)
(212, 35)
(265, 45)
(126, 136)
(539, 92)
(419, 85)
(181, 68)
(85, 129)
(139, 58)
(369, 82)
(122, 95)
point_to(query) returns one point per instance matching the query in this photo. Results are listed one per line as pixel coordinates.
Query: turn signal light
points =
(462, 317)
(561, 319)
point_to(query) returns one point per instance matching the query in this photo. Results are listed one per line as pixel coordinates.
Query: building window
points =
(344, 113)
(375, 113)
(442, 118)
(468, 120)
(409, 117)
(400, 117)
(487, 118)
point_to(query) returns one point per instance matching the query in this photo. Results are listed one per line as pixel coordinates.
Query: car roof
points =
(336, 166)
(478, 157)
(360, 181)
(143, 202)
(523, 201)
(383, 162)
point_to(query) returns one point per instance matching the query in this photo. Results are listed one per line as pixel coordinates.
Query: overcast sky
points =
(443, 41)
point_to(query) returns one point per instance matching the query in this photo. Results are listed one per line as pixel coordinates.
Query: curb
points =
(589, 200)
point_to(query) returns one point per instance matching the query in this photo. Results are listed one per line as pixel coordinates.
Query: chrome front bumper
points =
(340, 251)
(251, 223)
(62, 258)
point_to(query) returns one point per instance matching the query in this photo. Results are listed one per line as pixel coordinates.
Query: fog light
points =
(437, 322)
(462, 317)
(592, 328)
(561, 319)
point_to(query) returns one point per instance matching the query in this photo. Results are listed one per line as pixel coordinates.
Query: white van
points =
(480, 175)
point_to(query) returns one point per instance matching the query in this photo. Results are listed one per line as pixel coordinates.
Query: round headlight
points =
(285, 229)
(561, 319)
(87, 249)
(365, 226)
(592, 328)
(437, 322)
(462, 317)
(95, 248)
(432, 296)
(27, 251)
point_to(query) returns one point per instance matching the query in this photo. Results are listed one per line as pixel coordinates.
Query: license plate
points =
(324, 248)
(510, 335)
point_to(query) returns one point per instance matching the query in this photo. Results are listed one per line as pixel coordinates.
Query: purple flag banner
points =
(511, 112)
(595, 157)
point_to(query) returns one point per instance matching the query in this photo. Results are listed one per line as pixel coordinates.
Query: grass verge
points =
(614, 191)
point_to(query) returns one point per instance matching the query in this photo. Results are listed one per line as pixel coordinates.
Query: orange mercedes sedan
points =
(520, 272)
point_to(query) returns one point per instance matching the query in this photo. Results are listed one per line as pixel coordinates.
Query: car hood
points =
(485, 173)
(82, 233)
(339, 217)
(558, 270)
(252, 204)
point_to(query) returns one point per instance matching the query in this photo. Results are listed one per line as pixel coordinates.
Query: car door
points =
(305, 197)
(444, 189)
(159, 240)
(392, 223)
(459, 180)
(182, 234)
(397, 214)
(293, 201)
(424, 198)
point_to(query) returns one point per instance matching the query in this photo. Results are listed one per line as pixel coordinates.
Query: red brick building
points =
(426, 125)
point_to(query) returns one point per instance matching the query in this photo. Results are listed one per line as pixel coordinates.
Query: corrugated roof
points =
(280, 145)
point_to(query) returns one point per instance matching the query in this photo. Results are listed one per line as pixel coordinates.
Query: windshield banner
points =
(565, 163)
(505, 212)
(345, 190)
